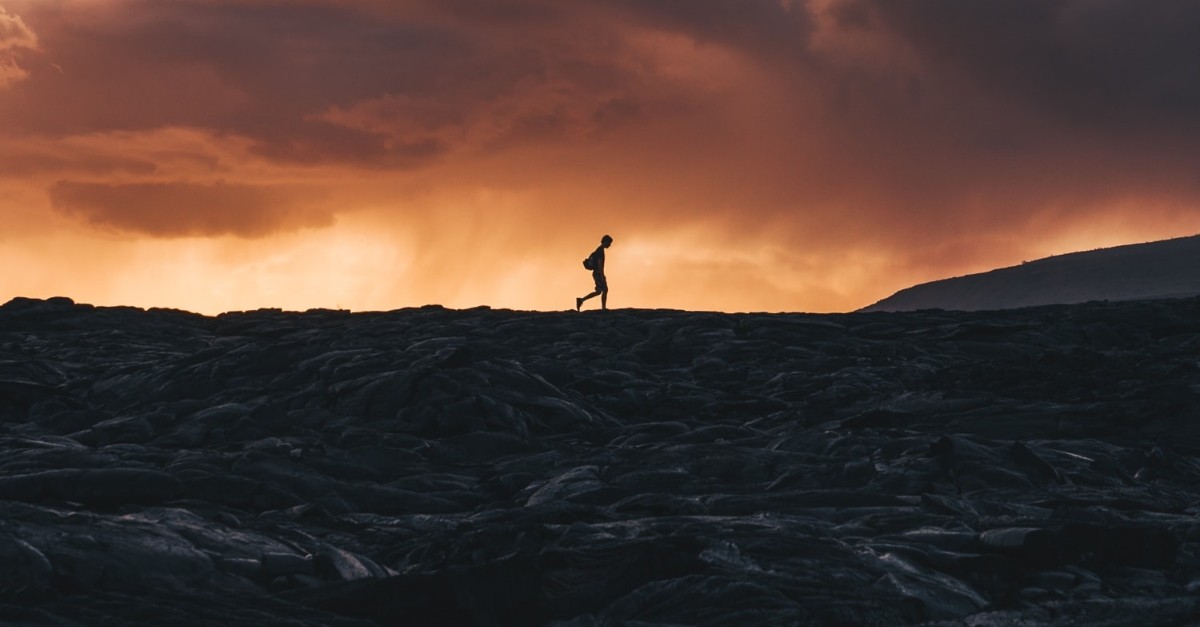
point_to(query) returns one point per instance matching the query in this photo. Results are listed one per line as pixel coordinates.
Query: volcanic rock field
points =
(631, 467)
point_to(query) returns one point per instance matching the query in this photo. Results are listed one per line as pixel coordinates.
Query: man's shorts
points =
(601, 282)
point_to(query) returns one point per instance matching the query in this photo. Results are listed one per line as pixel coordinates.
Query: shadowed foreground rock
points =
(480, 467)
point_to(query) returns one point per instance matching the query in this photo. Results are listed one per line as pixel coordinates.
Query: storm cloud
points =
(184, 209)
(839, 148)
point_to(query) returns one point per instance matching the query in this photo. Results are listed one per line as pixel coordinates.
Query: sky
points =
(745, 155)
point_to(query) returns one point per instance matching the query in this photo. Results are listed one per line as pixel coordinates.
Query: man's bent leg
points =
(579, 301)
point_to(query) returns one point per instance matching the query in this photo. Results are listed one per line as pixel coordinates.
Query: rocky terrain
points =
(483, 467)
(1165, 269)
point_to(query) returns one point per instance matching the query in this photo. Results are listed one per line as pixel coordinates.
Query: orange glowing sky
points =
(746, 155)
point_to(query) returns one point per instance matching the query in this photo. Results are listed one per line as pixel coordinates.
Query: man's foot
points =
(578, 303)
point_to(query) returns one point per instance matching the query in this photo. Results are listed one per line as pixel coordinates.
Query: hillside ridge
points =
(1163, 269)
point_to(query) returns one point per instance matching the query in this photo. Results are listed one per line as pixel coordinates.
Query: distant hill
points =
(1165, 269)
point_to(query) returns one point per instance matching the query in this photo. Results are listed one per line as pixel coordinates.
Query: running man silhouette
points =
(597, 259)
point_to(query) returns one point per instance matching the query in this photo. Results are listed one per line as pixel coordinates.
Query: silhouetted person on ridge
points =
(595, 263)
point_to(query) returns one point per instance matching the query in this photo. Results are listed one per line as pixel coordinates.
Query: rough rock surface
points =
(1164, 269)
(481, 467)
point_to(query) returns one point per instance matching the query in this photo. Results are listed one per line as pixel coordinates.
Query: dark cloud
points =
(19, 165)
(937, 121)
(186, 209)
(1110, 64)
(270, 71)
(753, 25)
(833, 125)
(257, 70)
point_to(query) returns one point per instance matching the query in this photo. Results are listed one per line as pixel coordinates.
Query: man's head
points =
(606, 241)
